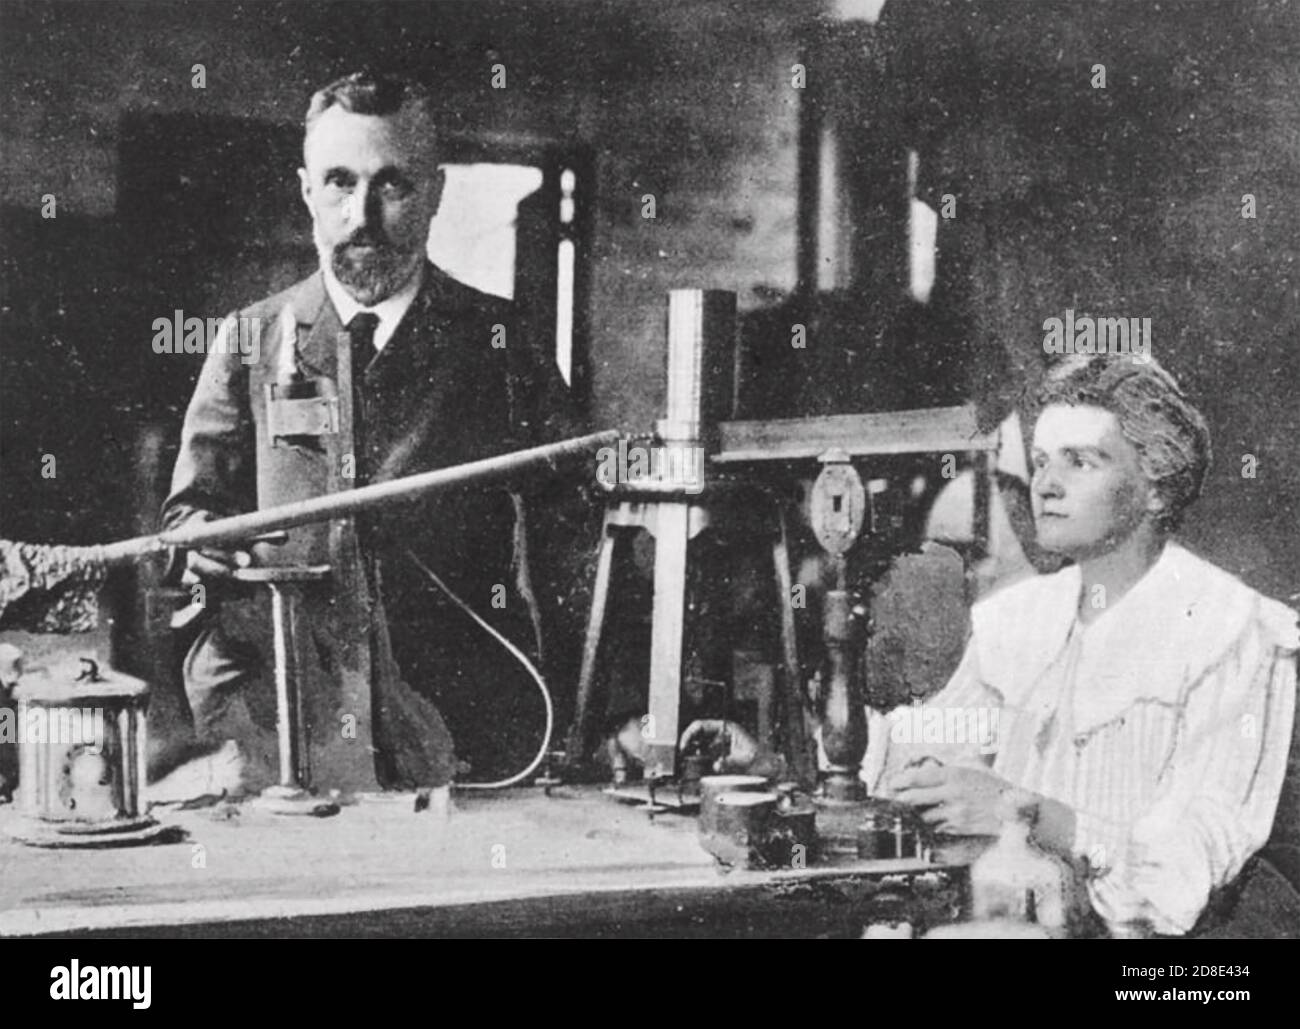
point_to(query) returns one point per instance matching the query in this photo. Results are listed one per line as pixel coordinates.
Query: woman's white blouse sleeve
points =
(1215, 801)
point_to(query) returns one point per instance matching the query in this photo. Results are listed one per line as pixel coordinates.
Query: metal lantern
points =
(81, 754)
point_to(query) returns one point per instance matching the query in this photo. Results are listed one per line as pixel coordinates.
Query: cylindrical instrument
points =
(744, 816)
(81, 752)
(714, 786)
(739, 830)
(701, 364)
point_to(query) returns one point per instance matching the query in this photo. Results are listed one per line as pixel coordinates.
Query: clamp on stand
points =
(675, 507)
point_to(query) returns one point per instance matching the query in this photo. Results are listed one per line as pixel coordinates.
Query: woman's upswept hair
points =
(1170, 435)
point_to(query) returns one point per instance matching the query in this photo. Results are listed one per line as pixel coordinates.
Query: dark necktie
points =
(361, 331)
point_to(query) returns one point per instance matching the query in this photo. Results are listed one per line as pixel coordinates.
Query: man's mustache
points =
(364, 239)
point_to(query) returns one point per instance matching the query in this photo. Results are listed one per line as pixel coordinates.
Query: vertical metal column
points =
(292, 795)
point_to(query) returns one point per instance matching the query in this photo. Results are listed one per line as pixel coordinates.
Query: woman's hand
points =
(959, 801)
(737, 747)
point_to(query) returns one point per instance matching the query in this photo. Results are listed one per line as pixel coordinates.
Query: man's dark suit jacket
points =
(454, 383)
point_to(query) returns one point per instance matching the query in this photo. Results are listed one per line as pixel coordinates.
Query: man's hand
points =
(958, 801)
(211, 563)
(206, 563)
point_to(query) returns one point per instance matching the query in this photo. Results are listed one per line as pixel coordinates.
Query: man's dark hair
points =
(363, 92)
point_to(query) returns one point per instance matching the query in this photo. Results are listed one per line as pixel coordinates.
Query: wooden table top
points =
(510, 863)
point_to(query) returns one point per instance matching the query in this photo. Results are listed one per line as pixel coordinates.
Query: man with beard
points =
(423, 372)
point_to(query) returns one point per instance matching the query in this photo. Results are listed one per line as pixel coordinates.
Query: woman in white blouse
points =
(1144, 698)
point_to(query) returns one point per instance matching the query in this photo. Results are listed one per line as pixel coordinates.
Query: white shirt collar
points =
(389, 311)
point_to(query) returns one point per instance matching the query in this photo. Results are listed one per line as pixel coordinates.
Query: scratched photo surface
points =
(604, 468)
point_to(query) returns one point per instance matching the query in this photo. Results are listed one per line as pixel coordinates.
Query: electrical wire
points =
(522, 658)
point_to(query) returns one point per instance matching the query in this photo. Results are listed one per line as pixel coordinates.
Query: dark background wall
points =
(1127, 201)
(1124, 200)
(691, 102)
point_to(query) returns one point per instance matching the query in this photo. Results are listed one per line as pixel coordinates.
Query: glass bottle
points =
(1016, 880)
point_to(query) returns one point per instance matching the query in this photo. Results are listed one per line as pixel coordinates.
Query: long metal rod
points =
(286, 724)
(351, 502)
